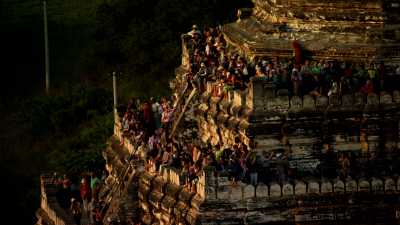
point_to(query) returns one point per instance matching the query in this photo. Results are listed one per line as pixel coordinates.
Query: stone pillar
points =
(207, 184)
(185, 52)
(255, 96)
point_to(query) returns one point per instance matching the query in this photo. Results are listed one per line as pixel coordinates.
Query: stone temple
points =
(313, 131)
(360, 30)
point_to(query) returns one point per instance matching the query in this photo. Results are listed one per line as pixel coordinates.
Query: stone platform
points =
(356, 31)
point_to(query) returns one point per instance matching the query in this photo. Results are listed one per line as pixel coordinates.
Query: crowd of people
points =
(83, 199)
(144, 126)
(211, 61)
(148, 124)
(239, 161)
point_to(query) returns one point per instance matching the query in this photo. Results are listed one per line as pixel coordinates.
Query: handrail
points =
(210, 186)
(119, 184)
(50, 205)
(188, 100)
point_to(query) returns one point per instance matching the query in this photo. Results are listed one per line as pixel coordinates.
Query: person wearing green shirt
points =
(94, 185)
(372, 73)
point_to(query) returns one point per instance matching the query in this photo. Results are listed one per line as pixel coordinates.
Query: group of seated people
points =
(210, 60)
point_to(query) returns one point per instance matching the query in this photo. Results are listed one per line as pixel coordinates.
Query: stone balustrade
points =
(261, 97)
(172, 175)
(219, 188)
(248, 112)
(50, 205)
(167, 203)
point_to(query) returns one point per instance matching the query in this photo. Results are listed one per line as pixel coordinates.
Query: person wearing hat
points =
(76, 211)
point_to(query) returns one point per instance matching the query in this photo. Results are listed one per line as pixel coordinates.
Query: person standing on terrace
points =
(381, 75)
(157, 111)
(64, 192)
(296, 80)
(76, 211)
(147, 118)
(86, 195)
(201, 76)
(260, 73)
(95, 185)
(252, 166)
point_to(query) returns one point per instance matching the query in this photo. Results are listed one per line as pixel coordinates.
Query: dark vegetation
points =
(89, 39)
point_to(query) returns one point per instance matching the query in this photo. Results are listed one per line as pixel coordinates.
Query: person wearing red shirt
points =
(368, 87)
(86, 194)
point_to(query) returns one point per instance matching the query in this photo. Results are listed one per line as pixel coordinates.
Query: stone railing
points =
(169, 174)
(172, 175)
(224, 118)
(261, 97)
(219, 188)
(185, 51)
(50, 205)
(164, 201)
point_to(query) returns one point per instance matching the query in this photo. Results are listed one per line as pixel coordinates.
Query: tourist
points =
(92, 206)
(282, 166)
(54, 179)
(86, 195)
(147, 118)
(368, 88)
(334, 90)
(252, 165)
(243, 165)
(260, 73)
(98, 216)
(296, 80)
(344, 165)
(381, 75)
(157, 111)
(63, 195)
(398, 70)
(95, 185)
(227, 71)
(76, 211)
(142, 150)
(66, 182)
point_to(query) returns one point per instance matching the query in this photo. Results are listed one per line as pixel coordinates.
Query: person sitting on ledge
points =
(260, 73)
(334, 89)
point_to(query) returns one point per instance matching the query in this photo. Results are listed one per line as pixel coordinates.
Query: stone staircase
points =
(120, 193)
